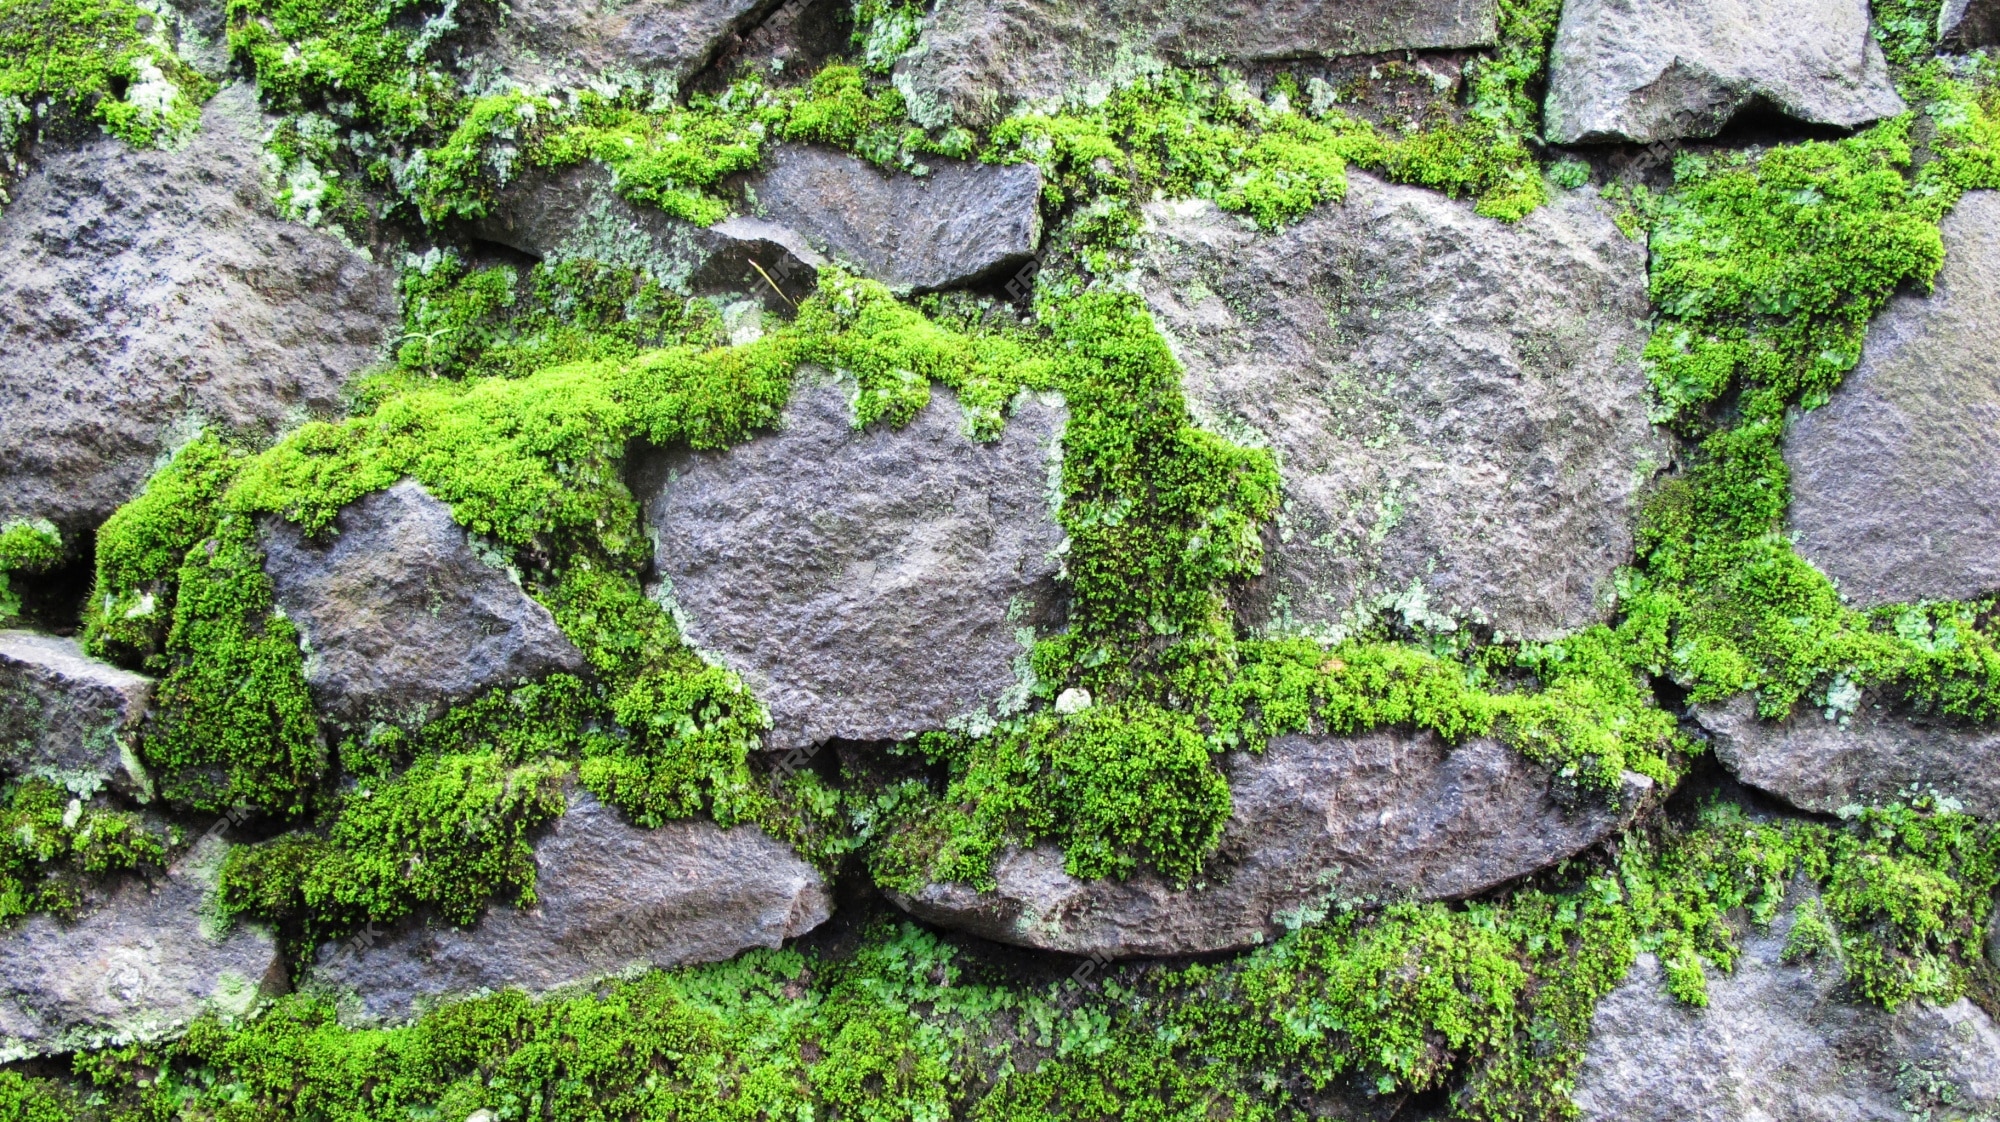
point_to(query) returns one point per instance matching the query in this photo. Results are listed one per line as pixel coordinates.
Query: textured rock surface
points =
(1775, 1043)
(976, 59)
(1456, 403)
(401, 614)
(960, 222)
(865, 584)
(143, 291)
(1648, 70)
(68, 716)
(1869, 757)
(610, 897)
(1316, 819)
(657, 43)
(1895, 484)
(138, 962)
(1966, 24)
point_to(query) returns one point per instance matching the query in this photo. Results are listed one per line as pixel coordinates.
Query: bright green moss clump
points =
(26, 546)
(107, 60)
(52, 846)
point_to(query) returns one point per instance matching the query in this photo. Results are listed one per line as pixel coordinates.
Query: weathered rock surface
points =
(1316, 820)
(1895, 483)
(1456, 403)
(401, 614)
(1777, 1043)
(956, 224)
(610, 898)
(138, 962)
(866, 584)
(1967, 24)
(143, 292)
(977, 59)
(543, 44)
(1867, 757)
(69, 717)
(1646, 70)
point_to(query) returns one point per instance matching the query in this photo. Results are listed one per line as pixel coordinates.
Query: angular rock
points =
(1647, 70)
(144, 292)
(1968, 24)
(978, 59)
(610, 898)
(1456, 403)
(1316, 820)
(1895, 484)
(137, 963)
(1776, 1043)
(401, 614)
(658, 44)
(1868, 757)
(866, 584)
(68, 717)
(573, 212)
(959, 223)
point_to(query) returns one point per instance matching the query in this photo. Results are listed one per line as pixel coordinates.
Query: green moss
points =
(52, 846)
(26, 546)
(103, 59)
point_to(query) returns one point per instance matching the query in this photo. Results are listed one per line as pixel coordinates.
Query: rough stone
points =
(610, 898)
(866, 584)
(658, 44)
(145, 292)
(1969, 24)
(1778, 1043)
(1316, 820)
(1456, 404)
(68, 717)
(1895, 484)
(1864, 758)
(978, 59)
(958, 223)
(1647, 70)
(401, 613)
(138, 962)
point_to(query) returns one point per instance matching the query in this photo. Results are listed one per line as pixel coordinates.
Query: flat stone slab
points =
(1316, 820)
(656, 44)
(866, 584)
(1866, 758)
(611, 898)
(400, 614)
(1456, 404)
(70, 718)
(1647, 70)
(1895, 480)
(144, 293)
(138, 963)
(978, 59)
(958, 223)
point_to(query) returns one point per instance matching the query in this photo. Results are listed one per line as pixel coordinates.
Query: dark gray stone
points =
(1969, 24)
(653, 44)
(1317, 820)
(1456, 403)
(1868, 757)
(139, 962)
(68, 717)
(866, 584)
(1777, 1043)
(144, 293)
(400, 614)
(957, 223)
(978, 59)
(1647, 70)
(1895, 483)
(610, 898)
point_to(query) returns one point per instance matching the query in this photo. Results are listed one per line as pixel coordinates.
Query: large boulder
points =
(866, 583)
(68, 717)
(1969, 24)
(1647, 70)
(1778, 1043)
(610, 898)
(977, 59)
(401, 613)
(144, 293)
(138, 962)
(1456, 404)
(654, 44)
(1873, 755)
(957, 223)
(1316, 821)
(1895, 484)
